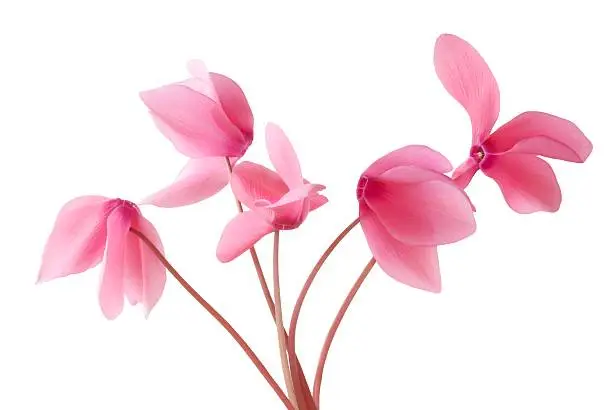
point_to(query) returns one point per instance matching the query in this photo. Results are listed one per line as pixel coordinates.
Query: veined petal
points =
(420, 207)
(317, 201)
(153, 271)
(417, 155)
(467, 77)
(234, 104)
(111, 287)
(527, 182)
(465, 172)
(201, 80)
(251, 182)
(194, 123)
(414, 266)
(132, 277)
(240, 234)
(77, 241)
(543, 134)
(283, 156)
(200, 179)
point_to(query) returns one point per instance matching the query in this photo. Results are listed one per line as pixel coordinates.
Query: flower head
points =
(207, 118)
(278, 200)
(510, 154)
(92, 229)
(407, 207)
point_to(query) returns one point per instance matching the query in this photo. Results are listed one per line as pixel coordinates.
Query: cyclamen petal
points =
(251, 182)
(241, 234)
(467, 77)
(153, 271)
(234, 103)
(465, 172)
(283, 156)
(417, 155)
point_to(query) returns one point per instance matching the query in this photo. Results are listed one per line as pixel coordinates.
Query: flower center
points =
(478, 153)
(361, 187)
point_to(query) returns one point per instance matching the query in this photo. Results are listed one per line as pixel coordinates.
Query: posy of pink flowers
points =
(407, 205)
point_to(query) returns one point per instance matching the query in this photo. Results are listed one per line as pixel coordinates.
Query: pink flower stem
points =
(302, 390)
(334, 328)
(262, 369)
(278, 314)
(300, 300)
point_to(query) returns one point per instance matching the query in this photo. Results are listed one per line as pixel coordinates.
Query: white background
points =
(524, 318)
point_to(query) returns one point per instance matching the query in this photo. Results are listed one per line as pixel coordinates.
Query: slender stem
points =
(302, 390)
(334, 328)
(300, 300)
(278, 315)
(262, 369)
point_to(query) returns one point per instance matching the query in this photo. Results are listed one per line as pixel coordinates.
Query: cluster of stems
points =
(297, 394)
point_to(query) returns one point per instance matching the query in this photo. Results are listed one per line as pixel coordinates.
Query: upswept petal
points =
(194, 123)
(240, 234)
(317, 201)
(417, 155)
(283, 156)
(464, 173)
(467, 77)
(543, 134)
(153, 271)
(251, 182)
(77, 240)
(201, 80)
(111, 286)
(527, 182)
(420, 207)
(200, 179)
(414, 266)
(234, 104)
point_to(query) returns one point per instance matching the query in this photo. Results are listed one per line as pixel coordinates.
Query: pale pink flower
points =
(277, 200)
(407, 207)
(510, 154)
(208, 119)
(91, 229)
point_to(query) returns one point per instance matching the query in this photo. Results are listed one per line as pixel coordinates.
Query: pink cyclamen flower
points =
(407, 207)
(91, 229)
(207, 118)
(277, 200)
(510, 154)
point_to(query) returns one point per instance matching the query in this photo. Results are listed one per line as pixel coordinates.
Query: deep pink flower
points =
(510, 154)
(407, 207)
(90, 229)
(277, 201)
(208, 119)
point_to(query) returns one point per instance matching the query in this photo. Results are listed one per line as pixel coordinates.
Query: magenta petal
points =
(153, 271)
(199, 179)
(420, 207)
(417, 155)
(240, 234)
(465, 172)
(467, 77)
(194, 123)
(111, 287)
(317, 201)
(283, 156)
(527, 182)
(414, 266)
(77, 241)
(543, 134)
(234, 104)
(251, 182)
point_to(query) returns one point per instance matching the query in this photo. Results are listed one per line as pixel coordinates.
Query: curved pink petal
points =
(417, 155)
(201, 80)
(153, 271)
(111, 287)
(132, 276)
(527, 182)
(465, 172)
(234, 104)
(240, 234)
(414, 266)
(194, 123)
(420, 207)
(317, 201)
(77, 241)
(199, 179)
(251, 182)
(467, 77)
(283, 156)
(543, 134)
